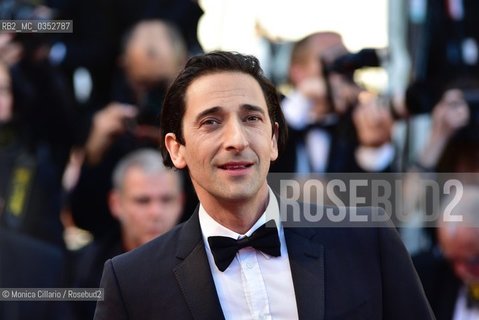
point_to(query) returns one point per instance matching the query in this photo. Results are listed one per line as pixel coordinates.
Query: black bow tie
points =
(265, 239)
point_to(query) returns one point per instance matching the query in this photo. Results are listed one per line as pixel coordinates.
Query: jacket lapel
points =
(306, 259)
(194, 275)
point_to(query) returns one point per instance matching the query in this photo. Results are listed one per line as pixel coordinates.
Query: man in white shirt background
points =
(335, 125)
(450, 270)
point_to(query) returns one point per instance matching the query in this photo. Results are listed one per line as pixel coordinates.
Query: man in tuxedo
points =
(147, 200)
(334, 124)
(449, 271)
(234, 258)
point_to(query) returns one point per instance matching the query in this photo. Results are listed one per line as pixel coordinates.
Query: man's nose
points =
(235, 137)
(155, 210)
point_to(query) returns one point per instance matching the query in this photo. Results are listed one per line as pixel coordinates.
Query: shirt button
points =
(249, 265)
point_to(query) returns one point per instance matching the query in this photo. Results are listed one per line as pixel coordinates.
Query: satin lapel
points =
(194, 275)
(306, 259)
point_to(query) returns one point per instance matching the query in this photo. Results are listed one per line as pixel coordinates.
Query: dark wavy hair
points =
(174, 106)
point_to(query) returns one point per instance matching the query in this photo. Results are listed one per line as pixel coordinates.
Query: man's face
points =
(228, 138)
(6, 100)
(148, 205)
(461, 248)
(149, 55)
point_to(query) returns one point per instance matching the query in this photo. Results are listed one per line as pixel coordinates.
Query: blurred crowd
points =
(81, 180)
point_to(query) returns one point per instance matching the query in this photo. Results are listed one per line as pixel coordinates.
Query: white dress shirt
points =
(255, 285)
(312, 156)
(461, 311)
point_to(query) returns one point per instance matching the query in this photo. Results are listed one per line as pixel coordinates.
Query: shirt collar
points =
(210, 227)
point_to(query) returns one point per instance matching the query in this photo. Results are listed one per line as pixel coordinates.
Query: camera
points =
(345, 66)
(348, 63)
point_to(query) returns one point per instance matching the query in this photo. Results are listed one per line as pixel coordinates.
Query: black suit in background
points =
(88, 268)
(439, 281)
(93, 44)
(29, 263)
(338, 273)
(341, 156)
(438, 51)
(36, 144)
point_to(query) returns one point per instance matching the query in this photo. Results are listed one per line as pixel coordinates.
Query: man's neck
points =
(237, 215)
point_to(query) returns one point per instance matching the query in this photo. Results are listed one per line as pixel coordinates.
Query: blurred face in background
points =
(461, 248)
(6, 98)
(326, 46)
(307, 75)
(147, 205)
(150, 54)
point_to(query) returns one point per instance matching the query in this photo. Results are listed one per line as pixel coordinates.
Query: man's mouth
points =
(236, 165)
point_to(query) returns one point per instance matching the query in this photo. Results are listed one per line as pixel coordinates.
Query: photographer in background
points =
(335, 125)
(153, 53)
(38, 128)
(450, 117)
(451, 146)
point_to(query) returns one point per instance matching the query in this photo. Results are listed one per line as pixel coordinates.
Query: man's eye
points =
(253, 118)
(210, 122)
(168, 199)
(142, 200)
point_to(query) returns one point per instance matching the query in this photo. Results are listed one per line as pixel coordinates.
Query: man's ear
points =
(176, 150)
(296, 73)
(274, 142)
(114, 204)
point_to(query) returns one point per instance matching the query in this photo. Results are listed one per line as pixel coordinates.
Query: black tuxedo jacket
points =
(341, 155)
(338, 273)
